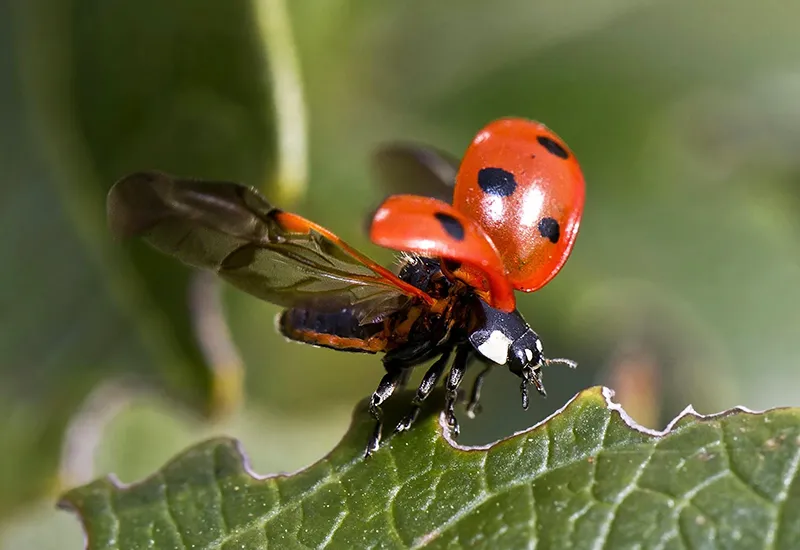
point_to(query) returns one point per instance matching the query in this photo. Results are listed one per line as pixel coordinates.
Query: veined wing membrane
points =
(232, 230)
(416, 169)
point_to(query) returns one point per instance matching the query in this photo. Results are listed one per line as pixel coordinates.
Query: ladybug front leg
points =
(454, 379)
(474, 406)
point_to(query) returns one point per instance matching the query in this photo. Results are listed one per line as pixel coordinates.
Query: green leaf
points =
(63, 333)
(97, 90)
(587, 477)
(185, 96)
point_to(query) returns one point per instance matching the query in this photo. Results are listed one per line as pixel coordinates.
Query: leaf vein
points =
(573, 519)
(789, 477)
(170, 513)
(550, 447)
(115, 517)
(596, 455)
(339, 521)
(668, 536)
(262, 521)
(392, 499)
(482, 499)
(606, 527)
(220, 493)
(727, 447)
(533, 522)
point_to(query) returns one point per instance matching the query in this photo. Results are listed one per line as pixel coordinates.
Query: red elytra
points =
(433, 228)
(523, 185)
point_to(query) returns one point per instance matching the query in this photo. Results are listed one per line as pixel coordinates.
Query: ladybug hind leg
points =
(395, 375)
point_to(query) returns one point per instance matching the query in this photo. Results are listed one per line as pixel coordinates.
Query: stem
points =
(286, 86)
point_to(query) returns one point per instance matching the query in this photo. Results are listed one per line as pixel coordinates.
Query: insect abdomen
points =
(338, 330)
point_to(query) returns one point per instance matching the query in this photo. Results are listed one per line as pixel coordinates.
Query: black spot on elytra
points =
(553, 147)
(451, 225)
(549, 229)
(497, 182)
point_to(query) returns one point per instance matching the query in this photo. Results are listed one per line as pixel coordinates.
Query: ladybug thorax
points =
(523, 186)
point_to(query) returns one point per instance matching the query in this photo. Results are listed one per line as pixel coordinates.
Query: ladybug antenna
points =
(561, 361)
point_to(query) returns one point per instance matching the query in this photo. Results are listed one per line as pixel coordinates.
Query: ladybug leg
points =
(429, 382)
(474, 406)
(394, 375)
(454, 379)
(404, 377)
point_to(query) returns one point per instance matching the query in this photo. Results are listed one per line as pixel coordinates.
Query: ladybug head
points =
(506, 338)
(525, 353)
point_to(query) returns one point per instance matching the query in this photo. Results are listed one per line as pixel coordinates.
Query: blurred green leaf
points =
(62, 331)
(584, 478)
(97, 90)
(186, 96)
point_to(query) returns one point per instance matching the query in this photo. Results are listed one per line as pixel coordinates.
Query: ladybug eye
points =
(549, 229)
(553, 147)
(497, 182)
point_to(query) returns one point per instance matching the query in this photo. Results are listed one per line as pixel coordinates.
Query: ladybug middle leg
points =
(404, 378)
(429, 382)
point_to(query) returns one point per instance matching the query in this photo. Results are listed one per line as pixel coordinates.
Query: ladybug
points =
(503, 219)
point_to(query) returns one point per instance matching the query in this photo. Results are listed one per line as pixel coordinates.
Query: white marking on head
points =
(529, 354)
(496, 347)
(539, 345)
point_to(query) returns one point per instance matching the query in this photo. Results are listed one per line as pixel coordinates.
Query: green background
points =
(683, 287)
